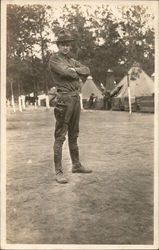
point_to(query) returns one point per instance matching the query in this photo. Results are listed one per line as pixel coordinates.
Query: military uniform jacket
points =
(66, 72)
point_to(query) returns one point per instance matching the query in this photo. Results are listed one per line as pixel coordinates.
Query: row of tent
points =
(141, 89)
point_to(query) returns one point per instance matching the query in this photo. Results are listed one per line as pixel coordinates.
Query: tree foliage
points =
(102, 41)
(138, 37)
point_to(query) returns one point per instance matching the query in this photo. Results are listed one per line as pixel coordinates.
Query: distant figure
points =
(107, 100)
(92, 100)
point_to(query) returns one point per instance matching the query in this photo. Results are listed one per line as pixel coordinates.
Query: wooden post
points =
(12, 100)
(19, 98)
(23, 101)
(20, 104)
(47, 102)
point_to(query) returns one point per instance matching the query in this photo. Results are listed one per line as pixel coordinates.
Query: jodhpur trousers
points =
(67, 114)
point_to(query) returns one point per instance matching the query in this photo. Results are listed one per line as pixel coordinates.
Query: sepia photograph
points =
(79, 124)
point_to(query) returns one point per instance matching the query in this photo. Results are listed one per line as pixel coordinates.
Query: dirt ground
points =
(113, 205)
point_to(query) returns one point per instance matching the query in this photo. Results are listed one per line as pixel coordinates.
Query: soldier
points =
(92, 101)
(66, 73)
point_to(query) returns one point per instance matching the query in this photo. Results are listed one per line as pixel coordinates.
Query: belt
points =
(70, 93)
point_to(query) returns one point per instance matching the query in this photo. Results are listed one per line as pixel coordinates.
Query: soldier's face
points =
(64, 48)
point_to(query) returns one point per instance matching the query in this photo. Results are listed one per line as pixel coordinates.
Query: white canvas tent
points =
(141, 91)
(89, 87)
(140, 84)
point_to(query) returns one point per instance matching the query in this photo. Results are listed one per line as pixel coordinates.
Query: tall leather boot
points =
(74, 153)
(77, 167)
(60, 178)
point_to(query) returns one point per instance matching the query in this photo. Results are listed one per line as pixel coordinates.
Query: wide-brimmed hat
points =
(64, 36)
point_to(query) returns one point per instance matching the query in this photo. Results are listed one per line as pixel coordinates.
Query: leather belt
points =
(71, 93)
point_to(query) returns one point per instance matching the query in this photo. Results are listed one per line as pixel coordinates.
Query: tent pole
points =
(129, 94)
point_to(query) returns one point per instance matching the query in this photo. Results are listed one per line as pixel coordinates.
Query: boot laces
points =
(59, 172)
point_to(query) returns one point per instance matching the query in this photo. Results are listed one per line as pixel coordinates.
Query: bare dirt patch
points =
(113, 205)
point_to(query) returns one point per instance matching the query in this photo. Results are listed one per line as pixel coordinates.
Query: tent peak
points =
(90, 78)
(109, 71)
(136, 64)
(90, 87)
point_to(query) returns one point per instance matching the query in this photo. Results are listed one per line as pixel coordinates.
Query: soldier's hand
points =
(73, 69)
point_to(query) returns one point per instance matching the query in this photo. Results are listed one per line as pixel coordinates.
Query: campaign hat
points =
(64, 36)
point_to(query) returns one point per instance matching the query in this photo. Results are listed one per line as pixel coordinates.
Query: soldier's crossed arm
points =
(80, 68)
(62, 68)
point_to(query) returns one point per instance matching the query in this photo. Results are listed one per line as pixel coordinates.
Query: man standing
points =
(66, 73)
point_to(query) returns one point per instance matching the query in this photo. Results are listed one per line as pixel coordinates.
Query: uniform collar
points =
(64, 56)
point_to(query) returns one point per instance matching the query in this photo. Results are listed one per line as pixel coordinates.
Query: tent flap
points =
(140, 84)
